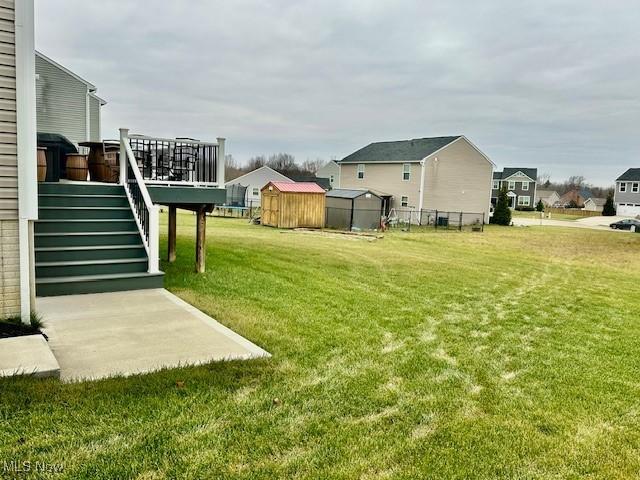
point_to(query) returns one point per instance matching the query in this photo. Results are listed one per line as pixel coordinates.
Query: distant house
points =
(594, 204)
(254, 181)
(331, 171)
(322, 182)
(576, 196)
(627, 195)
(520, 183)
(66, 103)
(549, 198)
(448, 174)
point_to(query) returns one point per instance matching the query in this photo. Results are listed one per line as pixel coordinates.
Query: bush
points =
(540, 206)
(525, 209)
(502, 213)
(609, 209)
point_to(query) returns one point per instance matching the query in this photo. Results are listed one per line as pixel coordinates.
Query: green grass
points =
(512, 353)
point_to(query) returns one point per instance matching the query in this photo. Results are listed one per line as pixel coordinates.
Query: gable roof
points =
(276, 175)
(322, 181)
(299, 187)
(597, 201)
(399, 151)
(507, 172)
(546, 193)
(631, 174)
(350, 193)
(89, 85)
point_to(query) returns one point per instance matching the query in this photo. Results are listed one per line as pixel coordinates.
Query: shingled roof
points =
(507, 172)
(633, 174)
(399, 151)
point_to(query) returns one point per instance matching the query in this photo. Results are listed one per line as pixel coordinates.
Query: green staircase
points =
(87, 241)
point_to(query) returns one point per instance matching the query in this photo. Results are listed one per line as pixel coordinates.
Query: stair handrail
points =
(146, 214)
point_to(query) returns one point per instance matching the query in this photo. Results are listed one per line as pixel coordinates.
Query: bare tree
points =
(256, 162)
(312, 166)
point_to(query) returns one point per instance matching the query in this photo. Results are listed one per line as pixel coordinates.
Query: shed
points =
(354, 209)
(293, 205)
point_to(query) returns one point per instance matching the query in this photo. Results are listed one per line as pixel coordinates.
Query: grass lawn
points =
(510, 353)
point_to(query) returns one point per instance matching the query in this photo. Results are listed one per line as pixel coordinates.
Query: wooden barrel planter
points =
(77, 167)
(42, 164)
(104, 164)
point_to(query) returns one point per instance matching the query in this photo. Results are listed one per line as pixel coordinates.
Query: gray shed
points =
(353, 209)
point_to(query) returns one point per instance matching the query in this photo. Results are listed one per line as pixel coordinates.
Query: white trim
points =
(509, 187)
(409, 172)
(423, 168)
(470, 143)
(493, 184)
(235, 180)
(102, 101)
(519, 173)
(620, 187)
(26, 146)
(522, 204)
(358, 171)
(90, 85)
(402, 201)
(87, 114)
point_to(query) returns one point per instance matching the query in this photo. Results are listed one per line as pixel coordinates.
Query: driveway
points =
(593, 223)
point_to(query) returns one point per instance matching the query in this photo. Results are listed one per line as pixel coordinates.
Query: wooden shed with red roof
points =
(293, 205)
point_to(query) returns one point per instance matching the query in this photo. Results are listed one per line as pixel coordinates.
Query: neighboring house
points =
(549, 198)
(331, 171)
(255, 180)
(321, 182)
(440, 173)
(594, 204)
(521, 185)
(66, 103)
(577, 196)
(627, 195)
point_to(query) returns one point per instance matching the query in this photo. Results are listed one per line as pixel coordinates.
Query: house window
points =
(635, 187)
(331, 178)
(256, 192)
(496, 184)
(361, 171)
(512, 185)
(623, 187)
(525, 186)
(404, 201)
(406, 172)
(524, 201)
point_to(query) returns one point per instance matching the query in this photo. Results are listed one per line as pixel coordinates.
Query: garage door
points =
(628, 210)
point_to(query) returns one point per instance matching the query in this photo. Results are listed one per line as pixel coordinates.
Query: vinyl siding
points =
(257, 179)
(628, 196)
(94, 119)
(330, 169)
(60, 102)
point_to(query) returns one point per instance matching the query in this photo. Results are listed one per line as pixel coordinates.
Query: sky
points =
(548, 84)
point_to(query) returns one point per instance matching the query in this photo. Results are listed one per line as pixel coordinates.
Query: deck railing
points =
(145, 212)
(179, 161)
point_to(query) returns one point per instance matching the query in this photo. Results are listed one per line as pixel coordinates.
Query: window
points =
(524, 201)
(525, 186)
(496, 184)
(623, 187)
(512, 185)
(404, 201)
(256, 192)
(331, 178)
(406, 172)
(361, 171)
(635, 187)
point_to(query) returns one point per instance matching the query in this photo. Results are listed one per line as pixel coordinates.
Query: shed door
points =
(270, 209)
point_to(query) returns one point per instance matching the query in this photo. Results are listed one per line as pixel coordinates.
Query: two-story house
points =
(520, 183)
(627, 195)
(439, 173)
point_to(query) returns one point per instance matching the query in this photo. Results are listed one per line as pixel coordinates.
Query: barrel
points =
(42, 164)
(77, 167)
(104, 165)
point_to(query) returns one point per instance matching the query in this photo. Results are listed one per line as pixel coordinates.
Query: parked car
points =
(627, 224)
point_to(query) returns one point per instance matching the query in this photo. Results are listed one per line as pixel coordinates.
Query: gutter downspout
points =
(423, 164)
(27, 150)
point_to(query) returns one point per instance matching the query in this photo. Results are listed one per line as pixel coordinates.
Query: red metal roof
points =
(305, 187)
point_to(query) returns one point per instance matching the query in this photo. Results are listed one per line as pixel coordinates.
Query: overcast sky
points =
(547, 84)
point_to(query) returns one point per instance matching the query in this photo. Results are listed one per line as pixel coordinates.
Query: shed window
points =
(404, 201)
(623, 187)
(496, 184)
(512, 185)
(524, 201)
(525, 186)
(635, 187)
(406, 172)
(361, 170)
(256, 192)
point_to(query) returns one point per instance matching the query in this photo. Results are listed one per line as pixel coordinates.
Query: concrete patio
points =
(124, 333)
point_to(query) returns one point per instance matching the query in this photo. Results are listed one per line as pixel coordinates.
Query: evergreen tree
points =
(502, 212)
(609, 209)
(540, 206)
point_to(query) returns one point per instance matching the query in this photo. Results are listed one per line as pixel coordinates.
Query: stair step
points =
(80, 188)
(89, 213)
(71, 200)
(77, 239)
(66, 225)
(96, 252)
(91, 267)
(52, 286)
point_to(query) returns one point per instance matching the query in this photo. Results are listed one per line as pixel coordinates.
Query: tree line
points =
(575, 182)
(283, 163)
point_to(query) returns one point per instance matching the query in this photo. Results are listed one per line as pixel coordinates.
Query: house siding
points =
(94, 119)
(331, 169)
(256, 180)
(9, 245)
(61, 102)
(628, 196)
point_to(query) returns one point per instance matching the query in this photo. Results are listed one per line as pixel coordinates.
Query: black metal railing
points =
(141, 210)
(175, 161)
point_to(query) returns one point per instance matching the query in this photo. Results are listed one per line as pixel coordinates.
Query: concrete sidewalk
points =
(123, 333)
(592, 223)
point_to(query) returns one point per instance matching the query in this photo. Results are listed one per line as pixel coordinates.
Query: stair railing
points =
(145, 212)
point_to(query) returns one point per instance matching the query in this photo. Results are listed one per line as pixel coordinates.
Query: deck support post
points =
(171, 253)
(201, 229)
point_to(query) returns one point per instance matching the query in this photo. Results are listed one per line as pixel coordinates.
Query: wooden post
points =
(171, 254)
(201, 232)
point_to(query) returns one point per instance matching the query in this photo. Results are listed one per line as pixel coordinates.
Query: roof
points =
(507, 172)
(349, 193)
(399, 151)
(597, 201)
(631, 174)
(323, 182)
(546, 193)
(300, 187)
(270, 170)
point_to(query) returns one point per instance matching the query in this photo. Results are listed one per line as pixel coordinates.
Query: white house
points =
(549, 197)
(594, 204)
(255, 180)
(331, 171)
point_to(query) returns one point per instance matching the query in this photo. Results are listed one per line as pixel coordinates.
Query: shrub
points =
(540, 206)
(502, 213)
(609, 209)
(525, 209)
